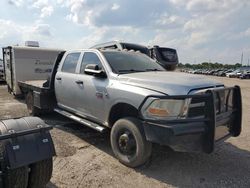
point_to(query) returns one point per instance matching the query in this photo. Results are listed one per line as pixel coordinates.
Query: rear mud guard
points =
(26, 140)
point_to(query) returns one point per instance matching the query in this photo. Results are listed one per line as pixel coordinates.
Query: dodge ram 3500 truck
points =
(132, 95)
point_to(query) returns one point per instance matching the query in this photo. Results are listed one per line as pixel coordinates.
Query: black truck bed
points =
(43, 97)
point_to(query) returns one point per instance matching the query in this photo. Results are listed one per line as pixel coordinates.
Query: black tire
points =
(33, 111)
(40, 173)
(130, 130)
(14, 178)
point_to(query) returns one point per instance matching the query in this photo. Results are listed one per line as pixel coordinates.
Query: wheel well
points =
(121, 110)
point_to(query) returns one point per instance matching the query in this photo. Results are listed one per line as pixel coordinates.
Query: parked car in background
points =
(224, 73)
(245, 75)
(235, 74)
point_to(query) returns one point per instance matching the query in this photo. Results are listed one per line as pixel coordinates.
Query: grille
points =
(196, 108)
(223, 103)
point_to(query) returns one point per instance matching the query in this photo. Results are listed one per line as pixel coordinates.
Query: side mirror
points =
(93, 69)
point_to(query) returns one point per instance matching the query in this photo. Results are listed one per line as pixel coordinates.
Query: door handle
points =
(58, 78)
(79, 82)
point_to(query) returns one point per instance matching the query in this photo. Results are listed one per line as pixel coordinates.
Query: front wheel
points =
(129, 143)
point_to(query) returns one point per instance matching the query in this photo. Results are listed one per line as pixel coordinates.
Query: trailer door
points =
(7, 65)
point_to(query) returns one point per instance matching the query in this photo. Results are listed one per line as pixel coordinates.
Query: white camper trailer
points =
(1, 70)
(22, 63)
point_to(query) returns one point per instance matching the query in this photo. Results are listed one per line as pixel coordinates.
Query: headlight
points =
(166, 109)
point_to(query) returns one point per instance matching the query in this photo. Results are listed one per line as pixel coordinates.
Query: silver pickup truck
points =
(132, 95)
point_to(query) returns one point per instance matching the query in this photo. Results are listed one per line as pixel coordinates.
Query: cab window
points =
(90, 58)
(70, 62)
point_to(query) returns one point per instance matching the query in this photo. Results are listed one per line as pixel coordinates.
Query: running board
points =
(80, 120)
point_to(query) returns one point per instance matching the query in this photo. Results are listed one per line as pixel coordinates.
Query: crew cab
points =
(140, 102)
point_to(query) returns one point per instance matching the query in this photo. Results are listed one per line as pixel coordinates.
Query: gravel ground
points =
(85, 159)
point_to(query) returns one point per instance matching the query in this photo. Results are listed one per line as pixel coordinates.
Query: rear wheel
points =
(16, 178)
(13, 178)
(34, 111)
(40, 173)
(129, 143)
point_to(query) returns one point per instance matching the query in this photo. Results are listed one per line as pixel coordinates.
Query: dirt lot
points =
(84, 157)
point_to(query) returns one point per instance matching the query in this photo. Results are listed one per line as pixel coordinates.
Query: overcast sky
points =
(201, 30)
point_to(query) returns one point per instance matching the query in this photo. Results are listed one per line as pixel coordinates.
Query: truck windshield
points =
(129, 62)
(168, 54)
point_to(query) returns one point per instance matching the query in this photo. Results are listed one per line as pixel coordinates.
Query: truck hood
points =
(170, 83)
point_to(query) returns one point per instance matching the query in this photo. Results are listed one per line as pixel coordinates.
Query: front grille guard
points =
(217, 110)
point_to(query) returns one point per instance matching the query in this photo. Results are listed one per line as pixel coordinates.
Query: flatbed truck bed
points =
(35, 85)
(38, 94)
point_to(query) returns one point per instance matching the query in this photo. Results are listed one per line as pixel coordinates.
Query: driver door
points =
(93, 92)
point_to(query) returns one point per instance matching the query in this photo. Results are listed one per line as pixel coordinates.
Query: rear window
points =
(70, 63)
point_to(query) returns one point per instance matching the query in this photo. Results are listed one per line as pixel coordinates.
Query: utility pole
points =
(248, 62)
(241, 59)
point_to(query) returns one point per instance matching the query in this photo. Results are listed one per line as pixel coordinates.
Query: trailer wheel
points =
(34, 111)
(129, 143)
(14, 178)
(40, 173)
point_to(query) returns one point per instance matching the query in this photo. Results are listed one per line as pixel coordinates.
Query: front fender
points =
(122, 93)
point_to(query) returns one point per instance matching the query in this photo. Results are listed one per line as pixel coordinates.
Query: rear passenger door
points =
(65, 82)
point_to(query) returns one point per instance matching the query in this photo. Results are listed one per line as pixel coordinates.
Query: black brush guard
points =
(222, 110)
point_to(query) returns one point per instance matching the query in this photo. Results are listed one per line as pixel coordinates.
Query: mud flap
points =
(26, 140)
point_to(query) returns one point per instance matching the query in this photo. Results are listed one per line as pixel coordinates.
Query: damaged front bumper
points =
(218, 119)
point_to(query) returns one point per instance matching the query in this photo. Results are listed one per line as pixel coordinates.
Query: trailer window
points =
(70, 62)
